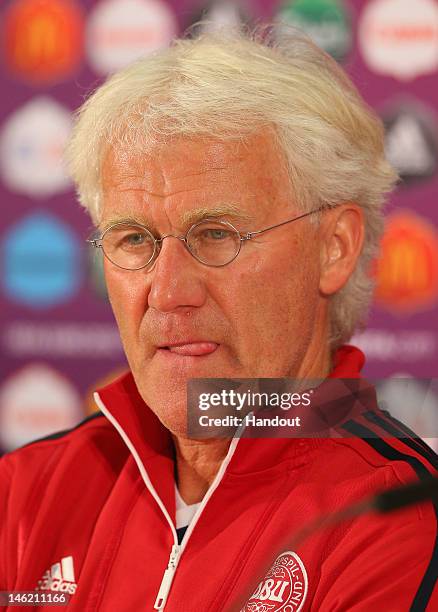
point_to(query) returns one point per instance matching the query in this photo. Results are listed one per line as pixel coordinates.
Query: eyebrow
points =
(188, 218)
(102, 227)
(224, 210)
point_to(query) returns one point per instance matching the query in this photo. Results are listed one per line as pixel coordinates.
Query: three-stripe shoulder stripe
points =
(376, 442)
(64, 432)
(397, 429)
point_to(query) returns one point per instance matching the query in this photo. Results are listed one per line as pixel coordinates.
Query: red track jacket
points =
(90, 512)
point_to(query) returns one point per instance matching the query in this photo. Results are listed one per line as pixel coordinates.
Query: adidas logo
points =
(60, 577)
(411, 142)
(407, 147)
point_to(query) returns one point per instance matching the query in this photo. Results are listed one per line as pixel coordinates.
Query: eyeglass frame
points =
(243, 237)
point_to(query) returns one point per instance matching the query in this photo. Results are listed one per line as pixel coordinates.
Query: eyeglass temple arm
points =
(95, 242)
(249, 235)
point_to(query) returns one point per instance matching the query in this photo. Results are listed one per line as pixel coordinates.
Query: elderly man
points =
(237, 185)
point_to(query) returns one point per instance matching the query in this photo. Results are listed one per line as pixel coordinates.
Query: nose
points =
(176, 278)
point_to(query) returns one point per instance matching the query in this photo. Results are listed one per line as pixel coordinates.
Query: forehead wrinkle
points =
(127, 176)
(167, 194)
(202, 171)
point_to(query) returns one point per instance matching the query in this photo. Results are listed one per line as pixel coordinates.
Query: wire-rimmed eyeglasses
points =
(212, 242)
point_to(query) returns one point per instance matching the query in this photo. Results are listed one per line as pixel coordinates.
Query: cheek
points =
(278, 296)
(127, 292)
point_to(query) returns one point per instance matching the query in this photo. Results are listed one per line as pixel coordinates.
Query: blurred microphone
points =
(401, 497)
(382, 503)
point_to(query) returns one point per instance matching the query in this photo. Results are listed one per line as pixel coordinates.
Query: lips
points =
(191, 349)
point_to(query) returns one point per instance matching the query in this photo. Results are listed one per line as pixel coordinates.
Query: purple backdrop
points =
(58, 336)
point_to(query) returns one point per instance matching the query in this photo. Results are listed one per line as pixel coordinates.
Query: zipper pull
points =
(166, 583)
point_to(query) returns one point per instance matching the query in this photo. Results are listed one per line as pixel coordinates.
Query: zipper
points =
(177, 550)
(167, 580)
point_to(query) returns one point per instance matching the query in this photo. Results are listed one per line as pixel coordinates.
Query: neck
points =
(317, 361)
(197, 463)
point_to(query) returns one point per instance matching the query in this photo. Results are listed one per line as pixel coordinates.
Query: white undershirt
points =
(184, 512)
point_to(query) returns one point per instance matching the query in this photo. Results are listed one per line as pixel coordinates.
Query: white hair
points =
(229, 84)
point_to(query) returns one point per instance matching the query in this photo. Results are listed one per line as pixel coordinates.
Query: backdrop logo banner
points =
(63, 340)
(32, 142)
(407, 272)
(35, 402)
(96, 273)
(399, 37)
(121, 31)
(408, 347)
(411, 141)
(43, 39)
(42, 265)
(221, 14)
(412, 401)
(325, 21)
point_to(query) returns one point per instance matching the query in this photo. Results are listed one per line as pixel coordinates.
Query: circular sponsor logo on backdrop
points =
(284, 588)
(325, 21)
(411, 141)
(400, 37)
(32, 142)
(221, 14)
(121, 31)
(35, 402)
(43, 39)
(414, 402)
(41, 259)
(407, 271)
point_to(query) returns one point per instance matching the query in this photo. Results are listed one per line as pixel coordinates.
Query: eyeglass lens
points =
(132, 246)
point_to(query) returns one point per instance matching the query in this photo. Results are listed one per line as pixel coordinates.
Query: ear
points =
(342, 236)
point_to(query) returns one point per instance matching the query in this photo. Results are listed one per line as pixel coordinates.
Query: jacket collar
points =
(153, 442)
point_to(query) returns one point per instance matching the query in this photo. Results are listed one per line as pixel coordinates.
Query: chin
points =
(174, 421)
(169, 404)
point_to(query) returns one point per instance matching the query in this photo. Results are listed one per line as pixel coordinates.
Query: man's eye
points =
(216, 234)
(134, 240)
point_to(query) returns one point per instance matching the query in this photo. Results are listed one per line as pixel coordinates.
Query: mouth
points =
(190, 349)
